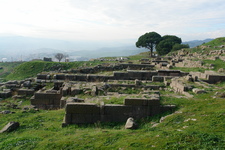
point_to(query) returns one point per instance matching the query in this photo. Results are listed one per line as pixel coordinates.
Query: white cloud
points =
(112, 19)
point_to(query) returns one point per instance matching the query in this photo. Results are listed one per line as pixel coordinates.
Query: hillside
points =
(197, 122)
(195, 43)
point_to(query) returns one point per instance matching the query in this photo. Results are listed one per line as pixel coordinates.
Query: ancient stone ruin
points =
(143, 77)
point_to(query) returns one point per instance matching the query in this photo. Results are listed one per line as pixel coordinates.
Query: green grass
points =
(199, 125)
(217, 42)
(31, 69)
(198, 49)
(218, 63)
(7, 68)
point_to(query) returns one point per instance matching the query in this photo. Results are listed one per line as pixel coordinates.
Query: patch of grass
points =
(199, 125)
(140, 56)
(7, 68)
(184, 69)
(114, 100)
(31, 69)
(218, 63)
(216, 42)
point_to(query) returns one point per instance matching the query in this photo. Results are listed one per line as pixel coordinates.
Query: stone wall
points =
(26, 91)
(199, 75)
(126, 75)
(47, 99)
(175, 73)
(6, 93)
(80, 113)
(189, 64)
(114, 67)
(180, 87)
(209, 76)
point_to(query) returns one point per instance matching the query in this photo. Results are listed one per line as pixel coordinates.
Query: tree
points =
(59, 56)
(149, 41)
(166, 44)
(179, 46)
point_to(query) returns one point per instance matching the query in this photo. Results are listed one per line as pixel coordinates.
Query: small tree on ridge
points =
(59, 56)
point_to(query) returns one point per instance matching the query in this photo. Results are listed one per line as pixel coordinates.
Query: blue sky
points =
(112, 19)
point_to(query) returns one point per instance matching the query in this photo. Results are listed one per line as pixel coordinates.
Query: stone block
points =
(26, 92)
(59, 76)
(136, 101)
(82, 108)
(62, 102)
(81, 77)
(75, 91)
(110, 109)
(84, 118)
(158, 78)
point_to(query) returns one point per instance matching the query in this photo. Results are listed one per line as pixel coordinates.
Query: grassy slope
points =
(199, 125)
(214, 45)
(31, 69)
(7, 68)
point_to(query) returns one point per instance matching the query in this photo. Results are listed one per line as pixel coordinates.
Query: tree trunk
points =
(151, 50)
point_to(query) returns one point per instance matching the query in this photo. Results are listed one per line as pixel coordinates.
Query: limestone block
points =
(136, 102)
(110, 109)
(198, 91)
(131, 124)
(11, 126)
(84, 118)
(75, 91)
(158, 78)
(26, 92)
(82, 108)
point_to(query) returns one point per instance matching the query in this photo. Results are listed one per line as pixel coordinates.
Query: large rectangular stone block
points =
(110, 109)
(136, 101)
(75, 91)
(82, 108)
(158, 78)
(141, 102)
(81, 77)
(140, 111)
(26, 92)
(84, 118)
(68, 118)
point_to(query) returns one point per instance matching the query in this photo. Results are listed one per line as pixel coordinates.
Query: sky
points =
(114, 20)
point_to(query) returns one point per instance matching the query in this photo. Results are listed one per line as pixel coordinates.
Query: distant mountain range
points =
(16, 48)
(195, 43)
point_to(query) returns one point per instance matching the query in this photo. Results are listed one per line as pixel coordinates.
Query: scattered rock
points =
(189, 78)
(198, 91)
(94, 91)
(131, 124)
(6, 112)
(27, 84)
(11, 126)
(221, 70)
(137, 82)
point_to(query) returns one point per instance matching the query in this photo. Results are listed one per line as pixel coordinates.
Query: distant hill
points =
(16, 48)
(195, 43)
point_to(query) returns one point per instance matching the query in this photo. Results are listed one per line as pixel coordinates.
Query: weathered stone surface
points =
(221, 70)
(189, 78)
(198, 91)
(131, 124)
(137, 82)
(11, 126)
(94, 91)
(27, 84)
(6, 112)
